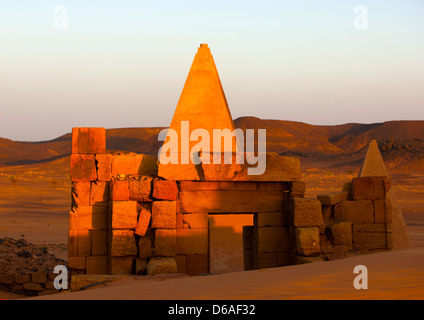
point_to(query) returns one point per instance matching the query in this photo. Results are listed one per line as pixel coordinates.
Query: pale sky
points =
(124, 63)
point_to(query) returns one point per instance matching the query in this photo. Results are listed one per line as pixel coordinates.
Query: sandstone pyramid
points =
(202, 105)
(373, 166)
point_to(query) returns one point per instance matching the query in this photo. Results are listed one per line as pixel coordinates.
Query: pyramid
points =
(373, 166)
(202, 105)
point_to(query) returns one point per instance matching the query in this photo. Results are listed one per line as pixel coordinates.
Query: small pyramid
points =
(373, 166)
(202, 105)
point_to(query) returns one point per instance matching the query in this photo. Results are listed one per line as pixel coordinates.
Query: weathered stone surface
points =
(230, 201)
(180, 171)
(76, 263)
(262, 260)
(4, 279)
(83, 167)
(383, 211)
(165, 189)
(124, 214)
(141, 189)
(195, 221)
(165, 242)
(33, 287)
(99, 194)
(370, 236)
(339, 252)
(26, 278)
(143, 220)
(161, 266)
(121, 265)
(328, 214)
(308, 242)
(370, 188)
(197, 264)
(282, 259)
(120, 190)
(122, 243)
(89, 140)
(269, 219)
(306, 212)
(200, 185)
(342, 233)
(181, 263)
(99, 242)
(248, 260)
(81, 281)
(39, 277)
(104, 167)
(134, 164)
(79, 244)
(164, 214)
(332, 198)
(360, 211)
(140, 266)
(325, 243)
(297, 189)
(248, 232)
(192, 241)
(97, 265)
(81, 193)
(89, 217)
(145, 248)
(271, 239)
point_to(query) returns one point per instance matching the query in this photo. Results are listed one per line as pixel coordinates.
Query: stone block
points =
(6, 279)
(89, 140)
(97, 265)
(271, 239)
(122, 243)
(104, 167)
(332, 198)
(141, 189)
(308, 242)
(120, 190)
(121, 265)
(161, 266)
(76, 263)
(134, 164)
(140, 266)
(271, 186)
(383, 211)
(33, 287)
(328, 214)
(165, 242)
(199, 186)
(370, 188)
(306, 212)
(248, 260)
(262, 260)
(165, 189)
(181, 263)
(99, 194)
(360, 211)
(99, 242)
(124, 214)
(26, 278)
(81, 193)
(145, 248)
(269, 219)
(39, 277)
(197, 264)
(282, 259)
(339, 252)
(79, 244)
(370, 236)
(164, 214)
(192, 241)
(248, 232)
(297, 189)
(89, 217)
(342, 233)
(143, 220)
(195, 221)
(230, 201)
(83, 167)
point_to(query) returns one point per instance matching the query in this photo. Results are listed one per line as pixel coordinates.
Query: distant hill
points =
(339, 146)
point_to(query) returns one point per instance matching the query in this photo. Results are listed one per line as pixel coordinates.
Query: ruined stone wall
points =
(127, 220)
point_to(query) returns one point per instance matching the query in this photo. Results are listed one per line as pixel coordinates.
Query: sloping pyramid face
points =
(373, 166)
(202, 105)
